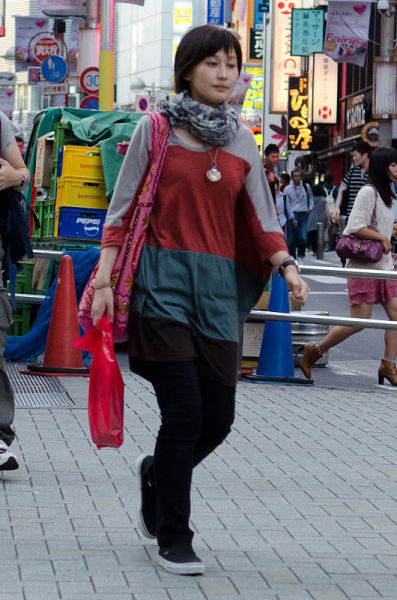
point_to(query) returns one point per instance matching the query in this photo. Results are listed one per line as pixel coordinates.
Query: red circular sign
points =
(43, 45)
(89, 80)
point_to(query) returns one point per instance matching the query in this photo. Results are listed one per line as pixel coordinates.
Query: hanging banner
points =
(325, 90)
(307, 31)
(299, 132)
(346, 34)
(260, 8)
(215, 12)
(25, 29)
(7, 98)
(73, 44)
(284, 65)
(240, 90)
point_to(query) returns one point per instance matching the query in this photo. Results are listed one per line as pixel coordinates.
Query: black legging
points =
(196, 416)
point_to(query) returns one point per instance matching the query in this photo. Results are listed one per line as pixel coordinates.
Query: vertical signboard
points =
(299, 132)
(215, 12)
(256, 45)
(307, 31)
(183, 19)
(284, 65)
(260, 8)
(325, 90)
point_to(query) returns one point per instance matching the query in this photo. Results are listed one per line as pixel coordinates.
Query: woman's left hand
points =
(298, 287)
(9, 177)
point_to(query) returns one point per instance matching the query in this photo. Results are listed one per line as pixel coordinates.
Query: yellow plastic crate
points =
(76, 191)
(81, 161)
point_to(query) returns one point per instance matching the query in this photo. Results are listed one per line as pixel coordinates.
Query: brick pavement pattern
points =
(300, 503)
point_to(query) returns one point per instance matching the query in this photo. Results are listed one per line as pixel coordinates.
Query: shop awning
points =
(345, 145)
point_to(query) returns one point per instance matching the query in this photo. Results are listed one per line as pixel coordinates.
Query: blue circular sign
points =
(143, 104)
(90, 102)
(54, 69)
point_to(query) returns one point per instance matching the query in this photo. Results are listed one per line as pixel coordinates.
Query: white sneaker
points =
(8, 460)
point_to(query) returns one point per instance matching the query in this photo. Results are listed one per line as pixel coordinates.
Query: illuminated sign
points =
(283, 65)
(325, 90)
(299, 132)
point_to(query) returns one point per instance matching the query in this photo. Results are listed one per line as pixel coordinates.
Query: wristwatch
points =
(288, 261)
(23, 182)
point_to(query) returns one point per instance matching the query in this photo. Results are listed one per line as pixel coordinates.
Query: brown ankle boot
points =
(311, 354)
(387, 369)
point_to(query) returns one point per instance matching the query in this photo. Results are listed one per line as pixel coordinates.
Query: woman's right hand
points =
(386, 244)
(102, 304)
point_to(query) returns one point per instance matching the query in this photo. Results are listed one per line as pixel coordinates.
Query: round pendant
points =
(214, 175)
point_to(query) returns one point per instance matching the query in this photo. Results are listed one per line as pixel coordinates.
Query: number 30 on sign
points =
(89, 80)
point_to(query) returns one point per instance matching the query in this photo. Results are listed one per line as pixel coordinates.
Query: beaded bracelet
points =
(102, 284)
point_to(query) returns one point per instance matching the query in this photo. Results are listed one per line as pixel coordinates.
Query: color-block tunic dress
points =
(204, 262)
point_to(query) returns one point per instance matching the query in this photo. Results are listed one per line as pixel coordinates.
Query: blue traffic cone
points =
(276, 362)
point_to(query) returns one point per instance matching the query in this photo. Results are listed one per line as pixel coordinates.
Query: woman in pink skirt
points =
(364, 293)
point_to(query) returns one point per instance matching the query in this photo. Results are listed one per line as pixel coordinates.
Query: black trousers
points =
(196, 416)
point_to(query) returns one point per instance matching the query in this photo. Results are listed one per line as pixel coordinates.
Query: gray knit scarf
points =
(213, 126)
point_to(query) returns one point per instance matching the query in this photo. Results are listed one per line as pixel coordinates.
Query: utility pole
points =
(106, 56)
(387, 27)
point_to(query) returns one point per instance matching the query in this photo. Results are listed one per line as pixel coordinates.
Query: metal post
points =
(106, 56)
(320, 241)
(264, 95)
(386, 51)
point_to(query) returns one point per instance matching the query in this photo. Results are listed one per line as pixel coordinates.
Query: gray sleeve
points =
(8, 132)
(131, 173)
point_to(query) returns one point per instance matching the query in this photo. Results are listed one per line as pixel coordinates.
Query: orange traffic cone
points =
(61, 357)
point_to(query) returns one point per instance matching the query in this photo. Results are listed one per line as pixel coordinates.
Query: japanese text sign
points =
(256, 44)
(215, 12)
(260, 8)
(299, 132)
(307, 31)
(283, 65)
(325, 90)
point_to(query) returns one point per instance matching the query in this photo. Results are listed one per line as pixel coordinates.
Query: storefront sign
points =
(358, 112)
(215, 12)
(25, 29)
(256, 45)
(325, 90)
(50, 89)
(370, 133)
(260, 8)
(307, 31)
(346, 34)
(284, 65)
(299, 132)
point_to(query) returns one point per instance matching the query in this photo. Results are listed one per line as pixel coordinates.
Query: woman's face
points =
(212, 81)
(392, 172)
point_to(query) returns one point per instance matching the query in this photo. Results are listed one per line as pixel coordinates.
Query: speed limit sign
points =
(89, 80)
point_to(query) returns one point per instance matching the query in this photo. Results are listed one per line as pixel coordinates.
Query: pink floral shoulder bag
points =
(126, 264)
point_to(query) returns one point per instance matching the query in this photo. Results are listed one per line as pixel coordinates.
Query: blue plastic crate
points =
(78, 222)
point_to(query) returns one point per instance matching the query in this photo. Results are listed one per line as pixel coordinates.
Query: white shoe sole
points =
(192, 568)
(139, 517)
(8, 462)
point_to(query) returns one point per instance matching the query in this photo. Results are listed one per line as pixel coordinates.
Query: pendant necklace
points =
(213, 174)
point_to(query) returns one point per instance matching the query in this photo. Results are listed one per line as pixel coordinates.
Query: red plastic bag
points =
(106, 389)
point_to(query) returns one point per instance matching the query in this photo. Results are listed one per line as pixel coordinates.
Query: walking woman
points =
(364, 293)
(212, 242)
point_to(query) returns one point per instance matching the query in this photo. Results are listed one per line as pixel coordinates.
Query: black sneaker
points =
(8, 460)
(147, 497)
(180, 561)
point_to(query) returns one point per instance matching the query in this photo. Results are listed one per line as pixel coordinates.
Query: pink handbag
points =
(369, 251)
(126, 264)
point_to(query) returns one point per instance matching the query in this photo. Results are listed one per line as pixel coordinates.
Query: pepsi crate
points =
(78, 222)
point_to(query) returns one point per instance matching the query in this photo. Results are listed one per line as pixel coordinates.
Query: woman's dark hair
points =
(285, 177)
(328, 178)
(378, 176)
(318, 190)
(196, 45)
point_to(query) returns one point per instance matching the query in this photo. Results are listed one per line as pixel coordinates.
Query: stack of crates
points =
(23, 285)
(81, 202)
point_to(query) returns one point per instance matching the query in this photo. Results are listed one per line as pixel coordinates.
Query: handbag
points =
(106, 389)
(126, 264)
(350, 246)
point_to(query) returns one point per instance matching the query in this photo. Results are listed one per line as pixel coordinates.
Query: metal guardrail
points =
(296, 317)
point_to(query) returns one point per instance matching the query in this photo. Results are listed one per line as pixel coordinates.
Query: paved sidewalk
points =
(298, 504)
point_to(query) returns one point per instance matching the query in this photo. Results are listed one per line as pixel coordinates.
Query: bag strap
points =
(307, 194)
(373, 220)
